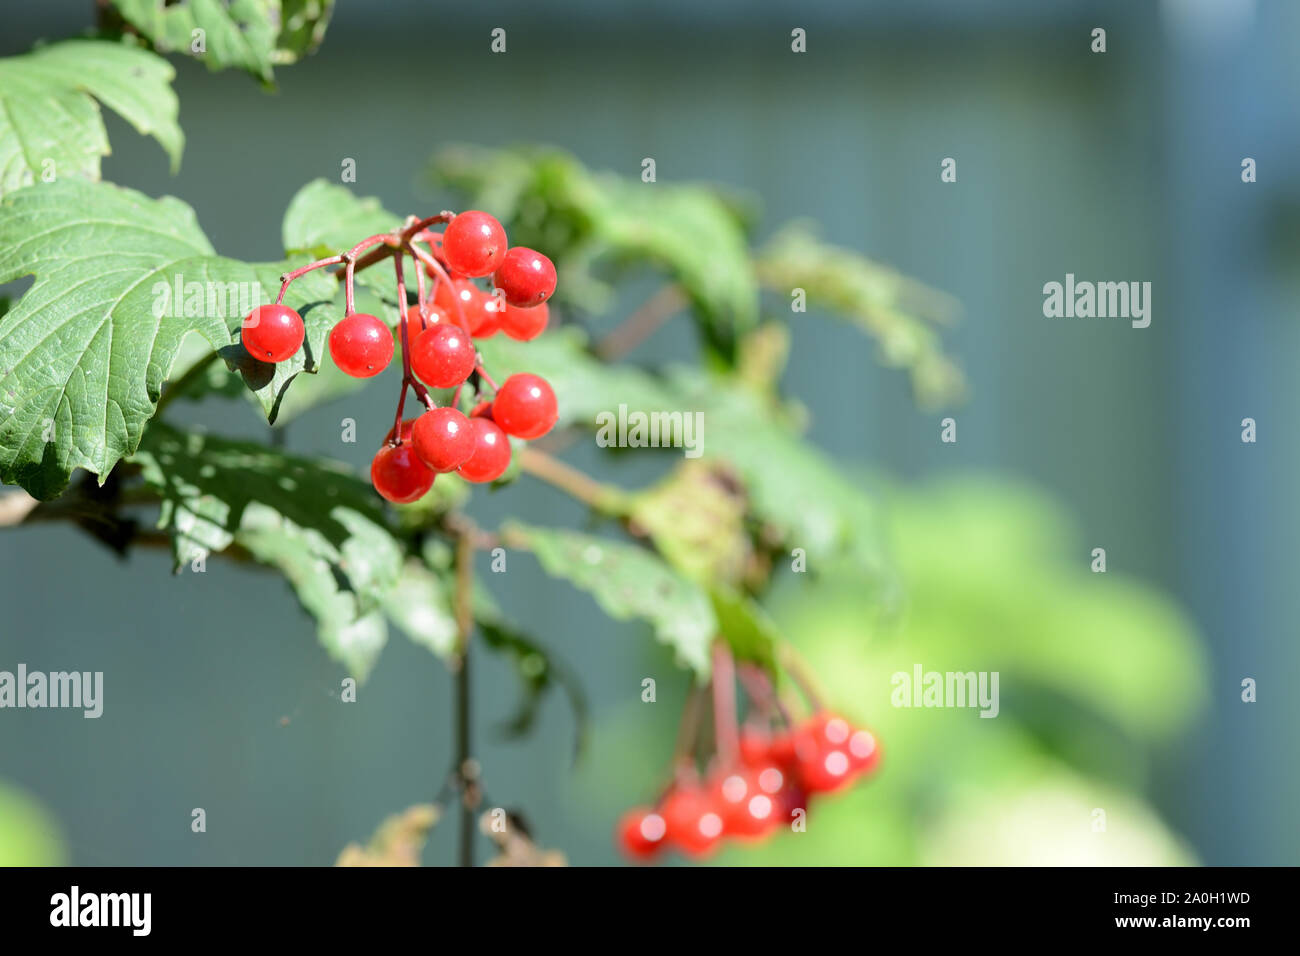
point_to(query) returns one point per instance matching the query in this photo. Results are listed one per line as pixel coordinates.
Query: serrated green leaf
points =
(325, 219)
(249, 35)
(628, 581)
(49, 119)
(302, 28)
(420, 605)
(316, 297)
(797, 491)
(887, 305)
(321, 527)
(85, 351)
(551, 202)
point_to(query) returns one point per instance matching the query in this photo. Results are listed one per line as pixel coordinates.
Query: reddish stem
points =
(302, 271)
(725, 731)
(436, 266)
(482, 373)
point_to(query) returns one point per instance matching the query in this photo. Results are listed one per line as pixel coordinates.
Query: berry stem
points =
(398, 238)
(726, 733)
(801, 674)
(759, 688)
(688, 732)
(349, 285)
(600, 497)
(302, 271)
(641, 324)
(466, 767)
(482, 373)
(436, 266)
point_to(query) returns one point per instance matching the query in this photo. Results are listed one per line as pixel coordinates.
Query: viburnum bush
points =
(130, 311)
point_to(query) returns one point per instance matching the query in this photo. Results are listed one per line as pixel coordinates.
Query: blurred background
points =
(1077, 434)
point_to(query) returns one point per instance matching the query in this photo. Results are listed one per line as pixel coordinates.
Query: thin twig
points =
(641, 324)
(598, 496)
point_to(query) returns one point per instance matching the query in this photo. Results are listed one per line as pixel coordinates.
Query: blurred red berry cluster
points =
(767, 787)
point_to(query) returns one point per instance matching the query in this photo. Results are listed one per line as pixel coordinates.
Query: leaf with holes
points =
(50, 124)
(250, 35)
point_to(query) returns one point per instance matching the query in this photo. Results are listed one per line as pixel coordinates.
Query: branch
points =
(641, 324)
(606, 499)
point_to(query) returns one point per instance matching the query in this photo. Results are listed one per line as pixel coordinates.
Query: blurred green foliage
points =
(29, 836)
(1093, 669)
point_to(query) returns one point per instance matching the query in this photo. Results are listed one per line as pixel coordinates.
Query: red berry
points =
(474, 243)
(272, 333)
(863, 751)
(781, 749)
(526, 277)
(693, 823)
(524, 325)
(821, 765)
(407, 426)
(482, 410)
(754, 746)
(463, 302)
(443, 355)
(442, 439)
(829, 729)
(434, 315)
(399, 475)
(525, 406)
(641, 832)
(493, 310)
(746, 809)
(491, 452)
(361, 345)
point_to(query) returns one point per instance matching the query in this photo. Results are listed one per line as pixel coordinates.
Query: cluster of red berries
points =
(749, 799)
(437, 336)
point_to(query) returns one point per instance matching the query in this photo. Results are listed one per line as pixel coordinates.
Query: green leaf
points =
(696, 517)
(325, 219)
(746, 626)
(29, 834)
(885, 304)
(551, 202)
(420, 605)
(628, 581)
(321, 527)
(49, 119)
(302, 28)
(84, 353)
(798, 492)
(249, 35)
